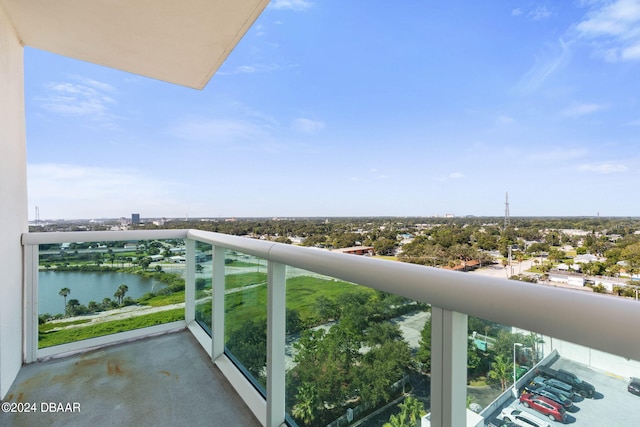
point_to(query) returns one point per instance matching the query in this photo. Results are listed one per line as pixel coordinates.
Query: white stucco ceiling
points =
(178, 41)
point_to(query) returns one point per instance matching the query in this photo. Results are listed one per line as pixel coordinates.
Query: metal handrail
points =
(597, 321)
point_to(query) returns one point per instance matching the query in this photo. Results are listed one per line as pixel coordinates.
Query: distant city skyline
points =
(334, 109)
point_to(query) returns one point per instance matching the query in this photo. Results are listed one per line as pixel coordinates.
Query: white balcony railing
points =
(592, 320)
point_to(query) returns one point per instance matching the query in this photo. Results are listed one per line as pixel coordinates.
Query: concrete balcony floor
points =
(165, 380)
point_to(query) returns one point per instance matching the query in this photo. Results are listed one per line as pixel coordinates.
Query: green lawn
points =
(52, 325)
(160, 300)
(302, 295)
(51, 338)
(239, 280)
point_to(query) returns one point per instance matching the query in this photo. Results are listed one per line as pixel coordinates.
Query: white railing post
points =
(448, 368)
(190, 282)
(31, 264)
(217, 302)
(276, 340)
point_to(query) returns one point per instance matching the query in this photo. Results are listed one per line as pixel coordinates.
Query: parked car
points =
(580, 386)
(500, 423)
(548, 392)
(558, 386)
(545, 406)
(522, 418)
(634, 386)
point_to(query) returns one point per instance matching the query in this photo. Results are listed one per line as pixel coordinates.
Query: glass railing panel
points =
(203, 269)
(509, 368)
(246, 315)
(352, 351)
(91, 289)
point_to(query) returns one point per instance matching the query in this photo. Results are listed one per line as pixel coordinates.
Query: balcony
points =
(213, 366)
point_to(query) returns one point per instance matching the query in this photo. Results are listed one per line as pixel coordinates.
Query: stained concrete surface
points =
(166, 380)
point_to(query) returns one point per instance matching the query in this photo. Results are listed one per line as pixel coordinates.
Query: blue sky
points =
(358, 108)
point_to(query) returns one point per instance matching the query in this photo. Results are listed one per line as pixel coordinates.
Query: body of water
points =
(88, 286)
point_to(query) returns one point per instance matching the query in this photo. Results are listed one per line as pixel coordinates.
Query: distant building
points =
(135, 219)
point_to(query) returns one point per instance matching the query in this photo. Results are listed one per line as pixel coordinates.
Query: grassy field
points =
(302, 295)
(51, 338)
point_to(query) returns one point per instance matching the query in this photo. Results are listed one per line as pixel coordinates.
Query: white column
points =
(276, 337)
(217, 303)
(448, 368)
(31, 262)
(13, 205)
(190, 282)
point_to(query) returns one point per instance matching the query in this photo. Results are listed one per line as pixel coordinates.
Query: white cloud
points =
(296, 5)
(631, 52)
(603, 168)
(544, 66)
(250, 69)
(614, 29)
(88, 98)
(307, 125)
(583, 109)
(539, 13)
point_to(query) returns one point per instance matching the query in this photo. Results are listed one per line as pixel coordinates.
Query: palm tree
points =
(520, 258)
(413, 408)
(120, 293)
(399, 420)
(305, 408)
(64, 292)
(501, 370)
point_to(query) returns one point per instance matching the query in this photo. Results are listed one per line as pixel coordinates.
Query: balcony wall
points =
(590, 320)
(13, 197)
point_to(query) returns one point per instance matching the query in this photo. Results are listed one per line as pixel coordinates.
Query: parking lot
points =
(611, 406)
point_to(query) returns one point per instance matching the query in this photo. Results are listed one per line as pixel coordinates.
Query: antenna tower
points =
(506, 211)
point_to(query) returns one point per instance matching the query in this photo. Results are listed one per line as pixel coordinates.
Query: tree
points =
(411, 411)
(399, 420)
(326, 308)
(306, 403)
(249, 345)
(501, 370)
(424, 350)
(144, 262)
(414, 408)
(120, 293)
(73, 305)
(380, 333)
(65, 292)
(520, 258)
(380, 368)
(473, 356)
(384, 246)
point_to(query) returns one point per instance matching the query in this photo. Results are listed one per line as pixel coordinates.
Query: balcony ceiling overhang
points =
(178, 41)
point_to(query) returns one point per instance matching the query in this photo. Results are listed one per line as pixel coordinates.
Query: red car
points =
(543, 405)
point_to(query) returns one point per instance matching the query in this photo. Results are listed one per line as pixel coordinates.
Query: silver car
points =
(522, 418)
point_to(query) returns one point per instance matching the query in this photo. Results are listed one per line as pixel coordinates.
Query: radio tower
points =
(506, 211)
